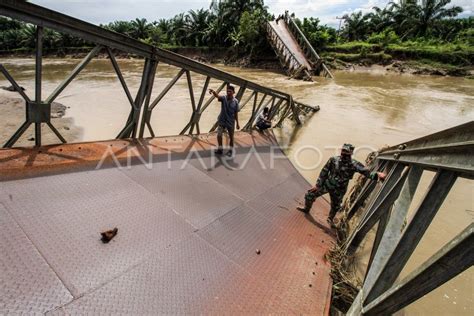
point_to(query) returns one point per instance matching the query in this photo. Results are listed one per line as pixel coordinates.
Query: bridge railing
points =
(449, 154)
(284, 53)
(308, 49)
(38, 110)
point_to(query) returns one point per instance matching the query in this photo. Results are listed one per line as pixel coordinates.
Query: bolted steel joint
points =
(38, 112)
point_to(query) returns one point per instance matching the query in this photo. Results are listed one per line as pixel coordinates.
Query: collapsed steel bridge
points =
(38, 110)
(447, 153)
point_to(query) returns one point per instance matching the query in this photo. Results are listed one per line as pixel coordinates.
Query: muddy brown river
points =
(370, 109)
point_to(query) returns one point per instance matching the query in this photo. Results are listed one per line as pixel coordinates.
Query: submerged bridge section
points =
(294, 51)
(196, 234)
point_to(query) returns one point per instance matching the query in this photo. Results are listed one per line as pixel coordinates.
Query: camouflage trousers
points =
(336, 200)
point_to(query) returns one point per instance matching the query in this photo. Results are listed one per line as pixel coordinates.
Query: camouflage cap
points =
(348, 148)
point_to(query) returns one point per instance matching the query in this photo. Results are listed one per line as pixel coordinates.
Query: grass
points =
(454, 54)
(367, 58)
(354, 47)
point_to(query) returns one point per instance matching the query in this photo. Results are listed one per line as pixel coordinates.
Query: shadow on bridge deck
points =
(188, 230)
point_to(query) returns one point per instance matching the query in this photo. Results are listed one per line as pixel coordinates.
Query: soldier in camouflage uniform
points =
(334, 179)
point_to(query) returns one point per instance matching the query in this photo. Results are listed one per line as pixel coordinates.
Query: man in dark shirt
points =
(227, 118)
(335, 177)
(263, 121)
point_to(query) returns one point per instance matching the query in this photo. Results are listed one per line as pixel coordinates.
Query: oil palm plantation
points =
(122, 27)
(196, 24)
(379, 19)
(416, 18)
(226, 17)
(432, 11)
(355, 26)
(178, 30)
(140, 28)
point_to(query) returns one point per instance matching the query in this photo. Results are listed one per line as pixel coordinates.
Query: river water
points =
(369, 109)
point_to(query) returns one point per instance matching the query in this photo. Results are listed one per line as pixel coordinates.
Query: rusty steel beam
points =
(73, 74)
(120, 76)
(454, 258)
(38, 77)
(450, 149)
(15, 85)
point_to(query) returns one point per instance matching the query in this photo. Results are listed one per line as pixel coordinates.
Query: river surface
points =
(369, 109)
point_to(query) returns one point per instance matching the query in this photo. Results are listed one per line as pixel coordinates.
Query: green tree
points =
(28, 36)
(417, 18)
(379, 19)
(432, 11)
(196, 26)
(178, 30)
(250, 30)
(140, 29)
(384, 38)
(11, 39)
(226, 16)
(355, 26)
(7, 24)
(122, 27)
(318, 35)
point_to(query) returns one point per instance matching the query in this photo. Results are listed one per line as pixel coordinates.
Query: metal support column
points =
(38, 76)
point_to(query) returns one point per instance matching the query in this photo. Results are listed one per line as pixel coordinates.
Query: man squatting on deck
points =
(334, 179)
(229, 114)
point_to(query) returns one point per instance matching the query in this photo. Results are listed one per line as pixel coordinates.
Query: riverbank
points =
(343, 58)
(208, 55)
(404, 58)
(402, 68)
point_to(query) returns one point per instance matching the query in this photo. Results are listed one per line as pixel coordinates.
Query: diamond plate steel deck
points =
(187, 238)
(294, 280)
(64, 214)
(28, 285)
(190, 278)
(239, 174)
(192, 194)
(278, 206)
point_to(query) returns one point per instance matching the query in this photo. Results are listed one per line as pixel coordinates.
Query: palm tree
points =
(28, 36)
(196, 26)
(379, 19)
(163, 24)
(15, 38)
(233, 9)
(140, 28)
(355, 26)
(122, 27)
(9, 24)
(226, 16)
(178, 31)
(431, 11)
(417, 17)
(219, 25)
(51, 38)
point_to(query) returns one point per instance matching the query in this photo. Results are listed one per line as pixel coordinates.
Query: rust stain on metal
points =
(275, 266)
(25, 162)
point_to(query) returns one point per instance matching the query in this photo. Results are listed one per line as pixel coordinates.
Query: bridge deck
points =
(188, 231)
(281, 28)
